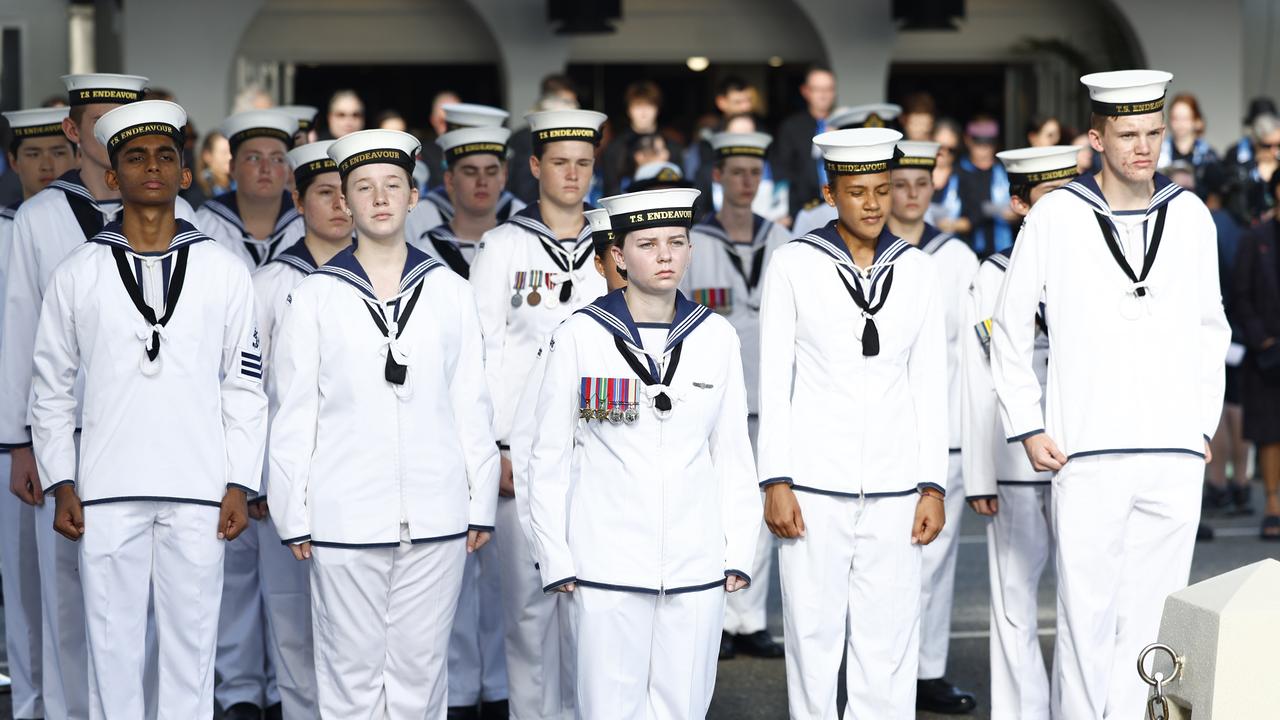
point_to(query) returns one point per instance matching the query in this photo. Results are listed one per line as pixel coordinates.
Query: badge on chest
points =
(718, 299)
(614, 399)
(540, 284)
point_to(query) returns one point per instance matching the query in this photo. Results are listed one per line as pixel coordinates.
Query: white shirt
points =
(435, 208)
(220, 218)
(1127, 373)
(831, 419)
(659, 505)
(353, 456)
(441, 243)
(182, 426)
(812, 217)
(45, 230)
(714, 279)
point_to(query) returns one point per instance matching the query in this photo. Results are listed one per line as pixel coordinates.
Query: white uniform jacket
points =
(815, 215)
(990, 461)
(219, 218)
(956, 265)
(173, 404)
(832, 420)
(435, 208)
(353, 456)
(658, 505)
(1137, 366)
(441, 243)
(718, 278)
(6, 243)
(46, 228)
(513, 333)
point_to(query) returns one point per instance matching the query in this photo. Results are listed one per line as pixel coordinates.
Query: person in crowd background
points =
(345, 115)
(944, 209)
(984, 188)
(1043, 130)
(795, 158)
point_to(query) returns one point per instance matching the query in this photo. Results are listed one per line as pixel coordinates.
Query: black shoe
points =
(758, 644)
(494, 710)
(1242, 497)
(1204, 533)
(273, 712)
(726, 646)
(242, 711)
(1216, 498)
(940, 696)
(463, 712)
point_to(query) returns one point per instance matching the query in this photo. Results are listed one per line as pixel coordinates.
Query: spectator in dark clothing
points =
(919, 113)
(984, 189)
(644, 103)
(1252, 162)
(795, 159)
(558, 92)
(735, 96)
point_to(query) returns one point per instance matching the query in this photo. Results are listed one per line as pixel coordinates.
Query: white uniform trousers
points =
(938, 580)
(1125, 527)
(646, 657)
(1019, 544)
(745, 610)
(245, 673)
(20, 568)
(477, 659)
(170, 551)
(286, 603)
(65, 661)
(382, 618)
(539, 629)
(852, 582)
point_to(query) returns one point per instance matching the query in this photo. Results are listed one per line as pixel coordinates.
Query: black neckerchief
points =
(395, 373)
(447, 250)
(870, 335)
(564, 260)
(1117, 253)
(662, 401)
(135, 294)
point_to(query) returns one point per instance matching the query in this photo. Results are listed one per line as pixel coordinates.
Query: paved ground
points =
(748, 689)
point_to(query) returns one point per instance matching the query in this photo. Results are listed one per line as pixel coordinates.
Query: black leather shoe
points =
(758, 644)
(273, 712)
(1242, 497)
(726, 646)
(242, 711)
(463, 712)
(495, 710)
(940, 696)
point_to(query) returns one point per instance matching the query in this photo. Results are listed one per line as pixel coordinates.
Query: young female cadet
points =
(644, 391)
(286, 587)
(160, 321)
(854, 458)
(384, 467)
(999, 482)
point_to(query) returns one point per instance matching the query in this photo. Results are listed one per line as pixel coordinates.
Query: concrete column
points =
(1261, 32)
(858, 38)
(527, 47)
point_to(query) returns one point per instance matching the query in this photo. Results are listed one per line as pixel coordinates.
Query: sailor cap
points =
(145, 117)
(108, 88)
(368, 147)
(1127, 92)
(858, 151)
(668, 207)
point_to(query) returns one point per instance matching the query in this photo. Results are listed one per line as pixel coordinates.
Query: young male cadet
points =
(160, 321)
(815, 213)
(999, 482)
(38, 153)
(730, 252)
(257, 220)
(439, 204)
(474, 178)
(530, 274)
(47, 227)
(1126, 265)
(286, 587)
(912, 176)
(853, 438)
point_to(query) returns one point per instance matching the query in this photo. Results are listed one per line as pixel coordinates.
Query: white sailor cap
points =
(40, 122)
(249, 124)
(369, 147)
(858, 151)
(919, 154)
(145, 117)
(877, 115)
(601, 229)
(311, 159)
(558, 125)
(1127, 92)
(108, 88)
(668, 207)
(304, 114)
(1034, 165)
(650, 176)
(751, 144)
(468, 115)
(462, 142)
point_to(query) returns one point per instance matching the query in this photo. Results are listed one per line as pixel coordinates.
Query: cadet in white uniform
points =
(818, 212)
(306, 117)
(730, 252)
(645, 389)
(476, 174)
(438, 205)
(256, 221)
(286, 586)
(530, 274)
(853, 458)
(38, 153)
(1126, 264)
(955, 264)
(160, 322)
(383, 462)
(999, 482)
(55, 221)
